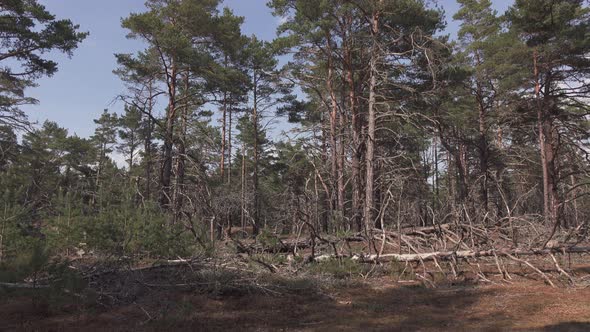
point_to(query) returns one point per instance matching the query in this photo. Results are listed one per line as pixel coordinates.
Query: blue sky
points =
(85, 85)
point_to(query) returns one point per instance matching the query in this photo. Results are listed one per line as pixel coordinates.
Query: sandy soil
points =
(375, 305)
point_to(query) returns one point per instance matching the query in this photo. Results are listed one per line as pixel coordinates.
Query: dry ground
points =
(375, 304)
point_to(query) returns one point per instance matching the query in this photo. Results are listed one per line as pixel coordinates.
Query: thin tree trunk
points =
(370, 152)
(229, 166)
(148, 145)
(166, 170)
(243, 197)
(223, 130)
(132, 146)
(549, 144)
(180, 161)
(99, 170)
(436, 181)
(341, 165)
(328, 201)
(223, 137)
(483, 141)
(356, 220)
(451, 179)
(229, 148)
(483, 149)
(575, 201)
(460, 170)
(256, 211)
(2, 228)
(541, 129)
(337, 171)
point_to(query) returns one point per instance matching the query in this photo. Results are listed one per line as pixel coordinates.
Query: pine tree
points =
(479, 27)
(130, 135)
(187, 36)
(265, 92)
(104, 139)
(29, 32)
(140, 74)
(552, 33)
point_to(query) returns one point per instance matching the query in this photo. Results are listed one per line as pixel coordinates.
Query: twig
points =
(562, 271)
(534, 268)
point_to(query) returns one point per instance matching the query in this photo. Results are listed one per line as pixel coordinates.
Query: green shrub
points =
(137, 232)
(268, 239)
(54, 282)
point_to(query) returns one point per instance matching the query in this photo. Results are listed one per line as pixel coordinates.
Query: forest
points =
(363, 158)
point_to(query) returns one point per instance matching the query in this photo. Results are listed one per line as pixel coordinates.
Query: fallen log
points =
(449, 255)
(288, 246)
(22, 285)
(282, 247)
(420, 231)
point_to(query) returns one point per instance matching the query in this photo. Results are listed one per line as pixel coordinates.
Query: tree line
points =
(396, 124)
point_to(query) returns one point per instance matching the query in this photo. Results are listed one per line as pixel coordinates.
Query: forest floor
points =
(219, 298)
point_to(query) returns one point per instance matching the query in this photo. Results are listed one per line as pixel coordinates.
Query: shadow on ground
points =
(568, 327)
(303, 306)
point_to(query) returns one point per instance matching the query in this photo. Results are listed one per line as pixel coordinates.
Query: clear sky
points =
(85, 84)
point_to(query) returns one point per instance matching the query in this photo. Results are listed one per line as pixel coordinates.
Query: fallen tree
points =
(22, 285)
(449, 255)
(280, 247)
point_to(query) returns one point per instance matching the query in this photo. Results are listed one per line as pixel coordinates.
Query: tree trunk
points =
(459, 154)
(574, 193)
(451, 177)
(341, 164)
(436, 180)
(223, 130)
(551, 176)
(356, 220)
(99, 171)
(180, 161)
(148, 145)
(229, 148)
(328, 202)
(243, 185)
(370, 152)
(166, 170)
(483, 149)
(256, 210)
(229, 166)
(542, 142)
(132, 146)
(545, 140)
(337, 171)
(548, 146)
(450, 255)
(223, 136)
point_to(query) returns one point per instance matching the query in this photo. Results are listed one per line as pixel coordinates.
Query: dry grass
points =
(327, 296)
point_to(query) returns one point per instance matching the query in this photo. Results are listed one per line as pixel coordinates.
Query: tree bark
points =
(357, 208)
(370, 152)
(483, 148)
(542, 143)
(229, 148)
(223, 131)
(337, 171)
(180, 161)
(450, 255)
(243, 185)
(148, 144)
(166, 169)
(256, 208)
(223, 136)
